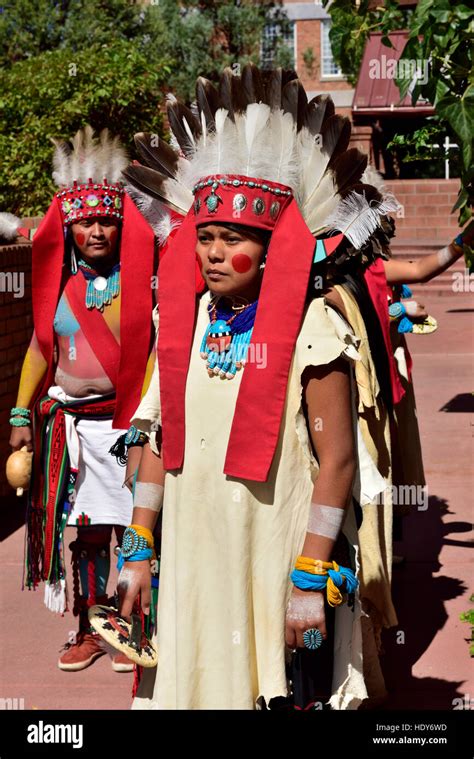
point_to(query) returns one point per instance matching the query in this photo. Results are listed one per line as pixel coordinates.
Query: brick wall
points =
(16, 326)
(427, 205)
(308, 35)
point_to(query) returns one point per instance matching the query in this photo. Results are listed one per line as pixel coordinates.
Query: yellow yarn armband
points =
(144, 532)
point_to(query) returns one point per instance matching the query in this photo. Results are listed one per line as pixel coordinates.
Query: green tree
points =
(30, 27)
(440, 35)
(55, 93)
(203, 36)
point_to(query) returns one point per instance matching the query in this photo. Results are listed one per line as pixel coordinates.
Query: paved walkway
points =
(428, 670)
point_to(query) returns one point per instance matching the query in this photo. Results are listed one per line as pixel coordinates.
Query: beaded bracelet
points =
(133, 436)
(19, 421)
(20, 411)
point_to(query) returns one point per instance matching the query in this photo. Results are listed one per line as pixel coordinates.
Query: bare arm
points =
(328, 399)
(427, 267)
(32, 372)
(135, 576)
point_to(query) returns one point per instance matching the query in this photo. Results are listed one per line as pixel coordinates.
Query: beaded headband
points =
(239, 199)
(90, 199)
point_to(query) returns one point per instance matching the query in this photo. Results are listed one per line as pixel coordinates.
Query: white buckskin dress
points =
(229, 545)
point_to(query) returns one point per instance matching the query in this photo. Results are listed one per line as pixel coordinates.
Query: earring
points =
(73, 261)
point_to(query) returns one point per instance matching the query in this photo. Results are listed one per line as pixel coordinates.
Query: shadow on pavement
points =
(13, 515)
(464, 402)
(419, 601)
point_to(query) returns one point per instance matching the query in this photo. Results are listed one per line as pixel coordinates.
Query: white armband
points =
(148, 495)
(325, 520)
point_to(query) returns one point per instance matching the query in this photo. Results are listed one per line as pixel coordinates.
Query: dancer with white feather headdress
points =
(267, 425)
(269, 408)
(92, 263)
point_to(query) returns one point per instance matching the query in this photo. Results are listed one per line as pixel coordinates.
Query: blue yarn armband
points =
(308, 581)
(406, 292)
(405, 325)
(146, 553)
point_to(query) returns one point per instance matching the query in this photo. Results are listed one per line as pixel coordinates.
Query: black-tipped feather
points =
(348, 168)
(272, 87)
(294, 101)
(371, 193)
(156, 153)
(225, 91)
(208, 101)
(318, 110)
(252, 84)
(176, 113)
(152, 183)
(335, 135)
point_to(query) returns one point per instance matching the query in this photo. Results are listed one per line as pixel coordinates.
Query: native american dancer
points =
(268, 412)
(92, 261)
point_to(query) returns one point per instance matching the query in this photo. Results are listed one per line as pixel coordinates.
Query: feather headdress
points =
(88, 157)
(260, 124)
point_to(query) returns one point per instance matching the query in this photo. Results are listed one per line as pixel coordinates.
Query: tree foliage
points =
(440, 35)
(204, 36)
(56, 92)
(110, 63)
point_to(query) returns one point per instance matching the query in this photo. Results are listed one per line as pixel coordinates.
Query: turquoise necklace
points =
(100, 290)
(227, 338)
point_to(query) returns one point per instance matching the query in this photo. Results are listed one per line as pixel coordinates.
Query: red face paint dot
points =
(113, 235)
(199, 262)
(241, 263)
(80, 238)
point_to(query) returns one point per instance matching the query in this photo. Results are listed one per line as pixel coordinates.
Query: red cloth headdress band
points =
(262, 391)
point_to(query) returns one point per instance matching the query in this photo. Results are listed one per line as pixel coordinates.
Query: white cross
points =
(446, 144)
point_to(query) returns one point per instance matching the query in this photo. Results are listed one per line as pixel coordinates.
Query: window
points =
(277, 36)
(328, 65)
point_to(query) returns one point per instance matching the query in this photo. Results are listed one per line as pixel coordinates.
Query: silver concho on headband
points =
(258, 206)
(274, 209)
(239, 202)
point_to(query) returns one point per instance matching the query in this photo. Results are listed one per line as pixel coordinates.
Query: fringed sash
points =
(53, 483)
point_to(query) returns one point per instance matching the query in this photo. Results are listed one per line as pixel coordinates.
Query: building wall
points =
(308, 18)
(16, 326)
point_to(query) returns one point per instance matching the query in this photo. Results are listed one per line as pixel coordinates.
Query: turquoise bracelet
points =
(19, 421)
(20, 411)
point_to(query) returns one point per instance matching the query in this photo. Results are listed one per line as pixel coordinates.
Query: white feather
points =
(118, 161)
(313, 163)
(204, 129)
(282, 134)
(325, 201)
(155, 212)
(61, 176)
(91, 158)
(373, 177)
(189, 132)
(256, 118)
(9, 225)
(164, 227)
(357, 219)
